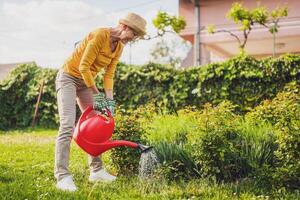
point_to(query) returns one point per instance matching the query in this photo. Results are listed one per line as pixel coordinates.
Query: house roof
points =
(5, 69)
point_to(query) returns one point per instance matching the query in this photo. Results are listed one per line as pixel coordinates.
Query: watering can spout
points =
(116, 143)
(144, 148)
(102, 147)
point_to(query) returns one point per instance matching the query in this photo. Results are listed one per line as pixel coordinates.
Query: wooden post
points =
(37, 103)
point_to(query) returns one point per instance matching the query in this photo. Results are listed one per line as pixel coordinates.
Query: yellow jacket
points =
(92, 55)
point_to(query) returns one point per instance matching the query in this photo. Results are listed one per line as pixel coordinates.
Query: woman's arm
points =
(95, 89)
(109, 94)
(109, 78)
(89, 56)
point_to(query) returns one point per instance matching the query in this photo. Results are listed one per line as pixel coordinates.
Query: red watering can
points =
(93, 133)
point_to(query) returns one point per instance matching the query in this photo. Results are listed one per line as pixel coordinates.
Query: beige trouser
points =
(68, 88)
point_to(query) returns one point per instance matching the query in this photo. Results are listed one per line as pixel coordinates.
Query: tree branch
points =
(231, 33)
(159, 34)
(245, 37)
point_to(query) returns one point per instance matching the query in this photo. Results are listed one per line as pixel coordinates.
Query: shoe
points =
(66, 184)
(101, 175)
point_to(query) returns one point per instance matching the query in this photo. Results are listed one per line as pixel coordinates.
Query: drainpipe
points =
(197, 52)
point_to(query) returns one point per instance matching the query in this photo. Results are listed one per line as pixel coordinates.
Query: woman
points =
(99, 50)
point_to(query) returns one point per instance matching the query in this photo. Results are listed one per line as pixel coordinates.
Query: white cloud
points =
(45, 30)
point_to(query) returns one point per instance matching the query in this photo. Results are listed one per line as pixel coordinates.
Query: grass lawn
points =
(26, 172)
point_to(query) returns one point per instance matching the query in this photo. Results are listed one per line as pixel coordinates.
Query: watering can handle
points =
(87, 111)
(83, 117)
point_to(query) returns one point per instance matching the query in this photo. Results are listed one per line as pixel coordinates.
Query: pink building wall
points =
(221, 46)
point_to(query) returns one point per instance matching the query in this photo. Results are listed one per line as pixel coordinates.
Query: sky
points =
(45, 31)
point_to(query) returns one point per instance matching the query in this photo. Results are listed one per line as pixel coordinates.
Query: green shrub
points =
(241, 80)
(280, 111)
(167, 133)
(287, 167)
(129, 127)
(257, 149)
(175, 161)
(228, 147)
(17, 109)
(283, 112)
(48, 110)
(19, 93)
(170, 127)
(137, 86)
(216, 145)
(244, 80)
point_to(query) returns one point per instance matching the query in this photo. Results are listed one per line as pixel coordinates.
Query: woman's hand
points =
(100, 102)
(111, 105)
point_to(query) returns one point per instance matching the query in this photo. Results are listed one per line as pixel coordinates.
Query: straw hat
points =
(136, 22)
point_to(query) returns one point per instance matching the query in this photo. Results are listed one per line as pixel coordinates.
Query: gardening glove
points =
(100, 102)
(111, 105)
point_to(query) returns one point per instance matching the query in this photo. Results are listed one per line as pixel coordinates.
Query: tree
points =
(248, 18)
(273, 26)
(166, 23)
(169, 52)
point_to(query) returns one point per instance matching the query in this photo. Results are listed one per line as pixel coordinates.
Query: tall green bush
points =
(257, 149)
(242, 80)
(283, 112)
(245, 81)
(176, 162)
(217, 144)
(170, 127)
(19, 92)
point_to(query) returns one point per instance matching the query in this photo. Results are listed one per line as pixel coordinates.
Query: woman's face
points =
(127, 34)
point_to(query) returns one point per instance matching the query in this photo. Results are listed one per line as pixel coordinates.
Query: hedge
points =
(242, 80)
